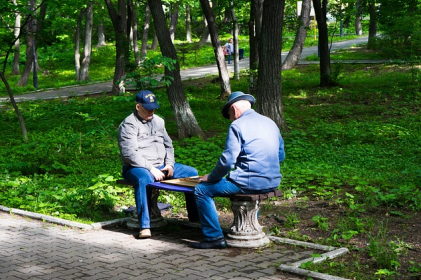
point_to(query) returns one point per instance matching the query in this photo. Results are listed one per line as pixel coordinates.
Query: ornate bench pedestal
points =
(245, 231)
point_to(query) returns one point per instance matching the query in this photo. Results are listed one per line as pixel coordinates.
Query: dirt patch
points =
(396, 231)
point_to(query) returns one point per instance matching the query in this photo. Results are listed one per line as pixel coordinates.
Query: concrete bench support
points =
(245, 231)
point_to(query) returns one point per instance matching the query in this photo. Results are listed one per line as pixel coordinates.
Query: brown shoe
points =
(145, 233)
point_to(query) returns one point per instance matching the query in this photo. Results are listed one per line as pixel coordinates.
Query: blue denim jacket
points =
(254, 149)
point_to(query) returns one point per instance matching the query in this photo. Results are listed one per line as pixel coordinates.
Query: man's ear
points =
(137, 106)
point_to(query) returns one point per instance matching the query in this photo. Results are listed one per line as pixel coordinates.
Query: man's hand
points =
(157, 174)
(170, 170)
(204, 178)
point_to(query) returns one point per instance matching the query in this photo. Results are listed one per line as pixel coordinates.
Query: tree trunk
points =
(137, 56)
(154, 45)
(143, 48)
(101, 35)
(295, 53)
(119, 20)
(16, 55)
(236, 49)
(205, 34)
(30, 38)
(269, 86)
(219, 54)
(372, 29)
(87, 48)
(15, 106)
(77, 43)
(174, 19)
(358, 18)
(188, 24)
(320, 12)
(186, 122)
(255, 27)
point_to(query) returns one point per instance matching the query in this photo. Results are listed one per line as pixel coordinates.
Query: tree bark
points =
(269, 86)
(77, 43)
(205, 34)
(219, 54)
(101, 35)
(137, 56)
(154, 45)
(119, 19)
(188, 24)
(235, 38)
(174, 19)
(143, 48)
(358, 17)
(87, 48)
(255, 27)
(16, 54)
(320, 8)
(372, 29)
(295, 53)
(30, 38)
(186, 122)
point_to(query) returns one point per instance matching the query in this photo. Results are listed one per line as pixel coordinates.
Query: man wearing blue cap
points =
(147, 155)
(254, 149)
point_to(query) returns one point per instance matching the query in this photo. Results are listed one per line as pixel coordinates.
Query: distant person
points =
(254, 149)
(147, 155)
(229, 48)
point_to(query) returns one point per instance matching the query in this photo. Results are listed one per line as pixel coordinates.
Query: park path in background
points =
(191, 73)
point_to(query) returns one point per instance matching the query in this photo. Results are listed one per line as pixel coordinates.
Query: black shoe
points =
(216, 244)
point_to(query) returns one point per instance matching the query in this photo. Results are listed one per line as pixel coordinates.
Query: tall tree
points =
(235, 36)
(300, 37)
(101, 34)
(16, 54)
(372, 28)
(146, 25)
(175, 10)
(82, 13)
(122, 45)
(219, 54)
(255, 27)
(188, 24)
(87, 48)
(186, 122)
(358, 17)
(30, 31)
(320, 9)
(269, 86)
(134, 37)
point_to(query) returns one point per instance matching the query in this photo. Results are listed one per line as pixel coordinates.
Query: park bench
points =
(245, 230)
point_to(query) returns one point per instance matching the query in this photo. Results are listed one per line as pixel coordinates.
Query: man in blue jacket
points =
(254, 149)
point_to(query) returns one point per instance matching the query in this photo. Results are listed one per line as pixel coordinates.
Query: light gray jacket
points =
(145, 144)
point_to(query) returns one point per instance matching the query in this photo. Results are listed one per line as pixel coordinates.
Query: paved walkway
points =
(191, 73)
(32, 249)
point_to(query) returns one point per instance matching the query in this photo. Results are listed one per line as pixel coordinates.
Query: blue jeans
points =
(204, 194)
(141, 177)
(229, 59)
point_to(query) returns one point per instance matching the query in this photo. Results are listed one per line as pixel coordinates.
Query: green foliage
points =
(150, 72)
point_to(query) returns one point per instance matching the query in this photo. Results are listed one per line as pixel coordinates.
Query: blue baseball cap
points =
(147, 99)
(234, 97)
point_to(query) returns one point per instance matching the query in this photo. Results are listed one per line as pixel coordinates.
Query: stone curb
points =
(63, 222)
(332, 252)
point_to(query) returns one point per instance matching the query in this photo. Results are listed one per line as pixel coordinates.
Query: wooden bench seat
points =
(245, 230)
